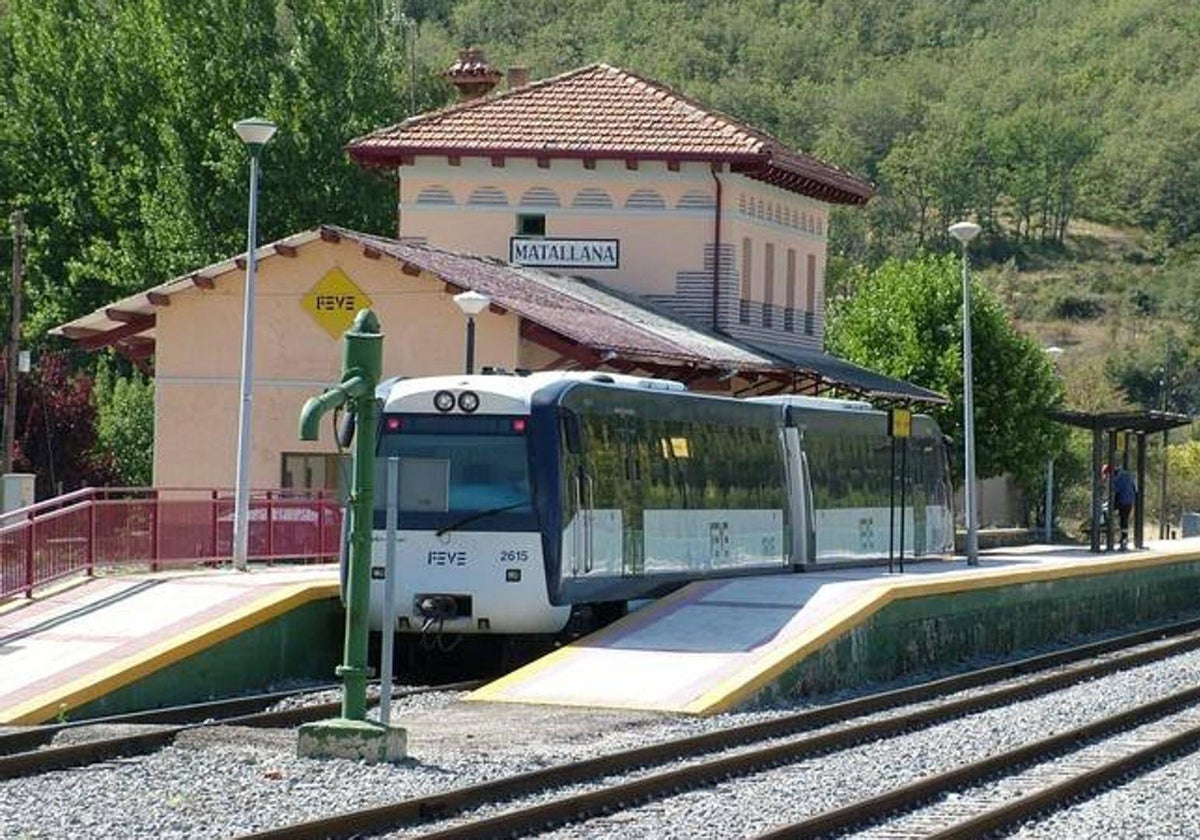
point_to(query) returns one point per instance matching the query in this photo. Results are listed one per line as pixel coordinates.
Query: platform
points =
(722, 645)
(86, 646)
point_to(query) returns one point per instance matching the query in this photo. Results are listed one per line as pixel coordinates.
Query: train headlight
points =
(468, 401)
(443, 401)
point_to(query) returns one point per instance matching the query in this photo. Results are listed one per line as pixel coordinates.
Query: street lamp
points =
(1054, 352)
(255, 133)
(471, 303)
(964, 232)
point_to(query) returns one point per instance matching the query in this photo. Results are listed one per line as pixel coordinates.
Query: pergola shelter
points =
(1106, 427)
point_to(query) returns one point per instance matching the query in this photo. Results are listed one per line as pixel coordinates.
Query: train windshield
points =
(452, 467)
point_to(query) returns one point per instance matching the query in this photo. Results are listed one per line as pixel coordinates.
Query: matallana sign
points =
(564, 253)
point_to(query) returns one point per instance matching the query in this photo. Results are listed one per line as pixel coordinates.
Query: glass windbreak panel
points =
(455, 465)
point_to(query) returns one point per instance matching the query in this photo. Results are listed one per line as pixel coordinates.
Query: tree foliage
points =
(117, 131)
(55, 435)
(905, 320)
(125, 423)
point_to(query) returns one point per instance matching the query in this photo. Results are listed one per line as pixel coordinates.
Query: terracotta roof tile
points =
(604, 111)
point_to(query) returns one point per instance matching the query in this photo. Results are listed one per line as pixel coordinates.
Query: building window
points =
(435, 195)
(696, 200)
(488, 196)
(810, 294)
(747, 267)
(316, 471)
(789, 318)
(769, 286)
(592, 199)
(645, 200)
(540, 197)
(531, 224)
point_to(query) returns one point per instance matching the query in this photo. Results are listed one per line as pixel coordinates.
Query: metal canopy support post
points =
(1139, 517)
(1108, 490)
(1097, 487)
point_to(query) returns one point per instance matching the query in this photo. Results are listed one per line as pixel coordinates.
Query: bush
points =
(1078, 308)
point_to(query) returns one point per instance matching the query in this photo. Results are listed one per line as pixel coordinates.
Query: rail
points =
(158, 528)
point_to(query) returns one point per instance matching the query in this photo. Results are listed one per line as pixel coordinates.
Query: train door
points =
(799, 484)
(579, 499)
(593, 523)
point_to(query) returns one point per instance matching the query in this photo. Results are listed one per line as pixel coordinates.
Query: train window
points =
(675, 447)
(448, 472)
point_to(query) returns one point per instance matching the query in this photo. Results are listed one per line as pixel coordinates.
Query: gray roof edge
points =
(847, 373)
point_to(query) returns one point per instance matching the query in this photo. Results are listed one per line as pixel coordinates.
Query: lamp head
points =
(471, 302)
(255, 132)
(964, 232)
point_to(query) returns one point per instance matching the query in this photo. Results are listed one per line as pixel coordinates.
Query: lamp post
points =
(1054, 352)
(471, 303)
(964, 232)
(255, 133)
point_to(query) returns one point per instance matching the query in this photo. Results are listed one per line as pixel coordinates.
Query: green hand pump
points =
(362, 363)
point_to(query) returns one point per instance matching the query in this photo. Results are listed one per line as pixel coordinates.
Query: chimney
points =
(472, 75)
(517, 77)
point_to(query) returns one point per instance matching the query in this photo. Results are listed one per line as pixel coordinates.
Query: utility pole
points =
(14, 340)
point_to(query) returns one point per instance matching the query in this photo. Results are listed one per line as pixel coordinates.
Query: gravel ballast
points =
(222, 782)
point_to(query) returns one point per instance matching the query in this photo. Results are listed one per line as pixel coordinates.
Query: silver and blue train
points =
(522, 502)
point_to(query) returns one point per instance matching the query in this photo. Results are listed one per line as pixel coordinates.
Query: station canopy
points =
(1111, 424)
(1122, 421)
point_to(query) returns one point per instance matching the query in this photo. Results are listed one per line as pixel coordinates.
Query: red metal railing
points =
(158, 528)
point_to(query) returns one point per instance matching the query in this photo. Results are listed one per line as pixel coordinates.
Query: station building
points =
(612, 223)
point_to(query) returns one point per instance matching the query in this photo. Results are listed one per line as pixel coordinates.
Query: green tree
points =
(904, 319)
(125, 423)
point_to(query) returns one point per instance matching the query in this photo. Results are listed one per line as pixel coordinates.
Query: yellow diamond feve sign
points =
(334, 301)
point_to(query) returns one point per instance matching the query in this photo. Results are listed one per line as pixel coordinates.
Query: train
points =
(527, 505)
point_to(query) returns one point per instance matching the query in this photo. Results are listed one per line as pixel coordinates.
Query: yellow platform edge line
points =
(84, 690)
(493, 692)
(760, 673)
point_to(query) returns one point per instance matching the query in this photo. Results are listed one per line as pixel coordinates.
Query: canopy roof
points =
(1122, 421)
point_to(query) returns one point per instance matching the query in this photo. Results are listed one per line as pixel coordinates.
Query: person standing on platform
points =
(1124, 495)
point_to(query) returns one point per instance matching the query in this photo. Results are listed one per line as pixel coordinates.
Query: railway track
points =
(750, 749)
(28, 751)
(1058, 769)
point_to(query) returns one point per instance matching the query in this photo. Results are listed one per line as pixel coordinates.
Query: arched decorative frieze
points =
(696, 200)
(436, 194)
(540, 197)
(645, 199)
(592, 199)
(488, 197)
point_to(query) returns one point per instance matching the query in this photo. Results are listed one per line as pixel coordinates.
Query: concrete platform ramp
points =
(115, 644)
(732, 644)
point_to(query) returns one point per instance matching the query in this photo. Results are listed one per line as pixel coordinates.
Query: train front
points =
(454, 458)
